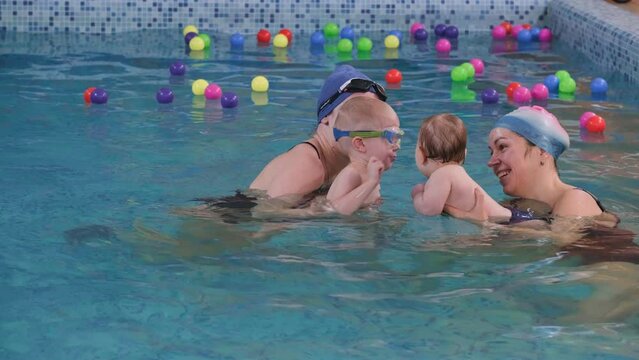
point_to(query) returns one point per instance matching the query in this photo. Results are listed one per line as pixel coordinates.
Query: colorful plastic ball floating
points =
(396, 33)
(545, 35)
(598, 86)
(499, 32)
(196, 44)
(347, 33)
(287, 33)
(164, 96)
(263, 36)
(489, 96)
(524, 36)
(415, 27)
(510, 89)
(317, 38)
(567, 86)
(451, 32)
(188, 29)
(344, 45)
(331, 30)
(280, 41)
(188, 37)
(478, 64)
(259, 84)
(459, 74)
(470, 69)
(552, 83)
(584, 118)
(393, 76)
(87, 94)
(440, 30)
(596, 124)
(229, 100)
(421, 35)
(213, 91)
(99, 96)
(539, 92)
(391, 42)
(522, 95)
(237, 40)
(507, 26)
(364, 44)
(199, 86)
(443, 46)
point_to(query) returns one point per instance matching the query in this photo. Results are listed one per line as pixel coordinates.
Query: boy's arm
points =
(432, 199)
(348, 192)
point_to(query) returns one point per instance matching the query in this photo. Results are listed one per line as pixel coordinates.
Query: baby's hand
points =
(375, 168)
(417, 189)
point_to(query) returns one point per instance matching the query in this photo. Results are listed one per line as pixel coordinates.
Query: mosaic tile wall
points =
(606, 34)
(228, 16)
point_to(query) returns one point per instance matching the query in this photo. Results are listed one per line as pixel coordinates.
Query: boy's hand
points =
(417, 189)
(375, 168)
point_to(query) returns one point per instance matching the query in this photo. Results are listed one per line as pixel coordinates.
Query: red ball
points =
(393, 76)
(263, 36)
(508, 26)
(596, 124)
(87, 95)
(510, 89)
(526, 26)
(288, 34)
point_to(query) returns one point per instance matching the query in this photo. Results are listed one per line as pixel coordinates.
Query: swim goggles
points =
(392, 135)
(355, 85)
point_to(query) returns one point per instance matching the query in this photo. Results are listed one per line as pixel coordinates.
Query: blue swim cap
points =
(539, 127)
(342, 74)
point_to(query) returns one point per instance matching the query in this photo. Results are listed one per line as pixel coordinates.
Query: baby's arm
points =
(431, 200)
(348, 193)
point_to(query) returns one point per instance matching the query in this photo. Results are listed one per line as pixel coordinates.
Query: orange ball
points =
(87, 95)
(288, 34)
(526, 26)
(510, 89)
(393, 76)
(508, 26)
(596, 124)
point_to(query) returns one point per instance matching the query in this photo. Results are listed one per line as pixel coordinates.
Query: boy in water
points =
(439, 155)
(368, 131)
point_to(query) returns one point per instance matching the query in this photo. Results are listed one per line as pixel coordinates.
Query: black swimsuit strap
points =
(603, 209)
(314, 147)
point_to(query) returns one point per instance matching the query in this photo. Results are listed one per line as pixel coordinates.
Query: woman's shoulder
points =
(577, 202)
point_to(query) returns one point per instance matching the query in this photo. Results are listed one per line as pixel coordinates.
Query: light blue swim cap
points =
(539, 127)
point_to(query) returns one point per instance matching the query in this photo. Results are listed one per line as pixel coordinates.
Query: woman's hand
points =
(476, 213)
(417, 189)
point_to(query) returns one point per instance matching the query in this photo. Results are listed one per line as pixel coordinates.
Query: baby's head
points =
(442, 137)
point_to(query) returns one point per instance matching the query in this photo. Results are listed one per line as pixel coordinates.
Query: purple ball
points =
(490, 96)
(229, 100)
(451, 32)
(164, 96)
(99, 96)
(440, 30)
(188, 37)
(420, 35)
(177, 68)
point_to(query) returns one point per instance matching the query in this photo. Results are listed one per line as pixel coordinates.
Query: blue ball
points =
(489, 96)
(397, 33)
(440, 30)
(347, 33)
(451, 32)
(164, 96)
(535, 33)
(598, 86)
(229, 100)
(552, 83)
(237, 40)
(420, 35)
(99, 96)
(177, 68)
(317, 38)
(524, 36)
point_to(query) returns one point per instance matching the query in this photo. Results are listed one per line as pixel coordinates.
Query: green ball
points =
(364, 44)
(567, 85)
(207, 40)
(459, 74)
(331, 30)
(561, 74)
(344, 45)
(470, 69)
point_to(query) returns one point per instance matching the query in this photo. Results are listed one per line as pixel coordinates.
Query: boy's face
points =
(382, 148)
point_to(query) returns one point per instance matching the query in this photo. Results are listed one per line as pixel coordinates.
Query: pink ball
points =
(539, 92)
(416, 26)
(515, 30)
(499, 32)
(442, 46)
(213, 91)
(545, 35)
(522, 95)
(478, 65)
(584, 118)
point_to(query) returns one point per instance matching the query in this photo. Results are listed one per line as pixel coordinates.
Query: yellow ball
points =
(391, 42)
(188, 29)
(259, 84)
(199, 86)
(280, 41)
(196, 44)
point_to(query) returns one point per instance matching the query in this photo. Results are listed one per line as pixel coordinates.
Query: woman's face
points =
(513, 161)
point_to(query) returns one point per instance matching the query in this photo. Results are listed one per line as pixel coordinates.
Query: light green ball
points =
(364, 44)
(561, 74)
(207, 40)
(459, 74)
(331, 30)
(344, 45)
(567, 85)
(470, 69)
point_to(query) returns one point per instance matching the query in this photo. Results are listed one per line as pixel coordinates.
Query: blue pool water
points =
(95, 262)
